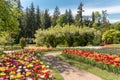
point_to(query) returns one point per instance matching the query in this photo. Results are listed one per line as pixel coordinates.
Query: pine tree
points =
(55, 16)
(32, 22)
(79, 17)
(38, 21)
(70, 17)
(21, 22)
(93, 17)
(47, 19)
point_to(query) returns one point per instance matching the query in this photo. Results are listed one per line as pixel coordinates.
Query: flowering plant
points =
(23, 66)
(103, 61)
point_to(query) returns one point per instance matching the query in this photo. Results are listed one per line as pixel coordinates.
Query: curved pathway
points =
(67, 71)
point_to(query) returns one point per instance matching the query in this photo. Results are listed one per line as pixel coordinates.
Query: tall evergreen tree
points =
(21, 22)
(38, 21)
(93, 17)
(70, 17)
(32, 21)
(104, 16)
(55, 16)
(47, 19)
(79, 17)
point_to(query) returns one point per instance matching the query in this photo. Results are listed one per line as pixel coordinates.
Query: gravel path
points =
(67, 71)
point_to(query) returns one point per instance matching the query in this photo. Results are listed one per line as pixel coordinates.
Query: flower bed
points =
(37, 48)
(104, 61)
(23, 66)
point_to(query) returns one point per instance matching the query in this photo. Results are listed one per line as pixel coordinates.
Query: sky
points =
(112, 6)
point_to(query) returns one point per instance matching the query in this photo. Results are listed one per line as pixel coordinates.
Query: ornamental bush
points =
(67, 35)
(111, 36)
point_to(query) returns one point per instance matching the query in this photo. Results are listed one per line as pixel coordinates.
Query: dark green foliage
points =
(23, 42)
(47, 20)
(38, 21)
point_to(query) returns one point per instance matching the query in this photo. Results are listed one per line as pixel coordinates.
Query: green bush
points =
(67, 35)
(111, 36)
(23, 42)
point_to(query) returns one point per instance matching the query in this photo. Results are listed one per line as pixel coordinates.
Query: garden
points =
(47, 44)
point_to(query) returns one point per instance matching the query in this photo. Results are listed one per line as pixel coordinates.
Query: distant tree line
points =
(16, 23)
(32, 19)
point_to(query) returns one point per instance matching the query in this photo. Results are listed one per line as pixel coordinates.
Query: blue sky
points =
(112, 6)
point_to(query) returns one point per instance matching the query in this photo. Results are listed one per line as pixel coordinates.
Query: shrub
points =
(111, 36)
(23, 42)
(70, 35)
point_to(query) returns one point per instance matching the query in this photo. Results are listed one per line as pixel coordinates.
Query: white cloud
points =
(114, 20)
(88, 11)
(110, 10)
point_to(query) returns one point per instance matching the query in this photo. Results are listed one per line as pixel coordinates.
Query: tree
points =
(79, 17)
(97, 16)
(93, 17)
(104, 16)
(47, 21)
(62, 20)
(21, 22)
(32, 22)
(104, 20)
(70, 17)
(9, 14)
(55, 16)
(38, 21)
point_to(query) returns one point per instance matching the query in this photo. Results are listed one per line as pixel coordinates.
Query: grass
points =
(105, 75)
(57, 75)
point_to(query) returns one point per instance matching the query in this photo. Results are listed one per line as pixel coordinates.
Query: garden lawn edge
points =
(105, 75)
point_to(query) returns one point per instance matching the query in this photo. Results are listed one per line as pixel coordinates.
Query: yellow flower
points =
(29, 65)
(2, 74)
(41, 62)
(18, 75)
(21, 61)
(28, 73)
(43, 66)
(2, 68)
(12, 72)
(12, 77)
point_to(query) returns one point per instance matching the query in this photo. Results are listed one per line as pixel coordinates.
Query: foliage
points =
(111, 36)
(23, 42)
(70, 35)
(116, 26)
(6, 39)
(9, 14)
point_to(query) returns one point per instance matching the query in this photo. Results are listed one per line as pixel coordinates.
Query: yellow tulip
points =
(12, 73)
(2, 68)
(18, 75)
(28, 73)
